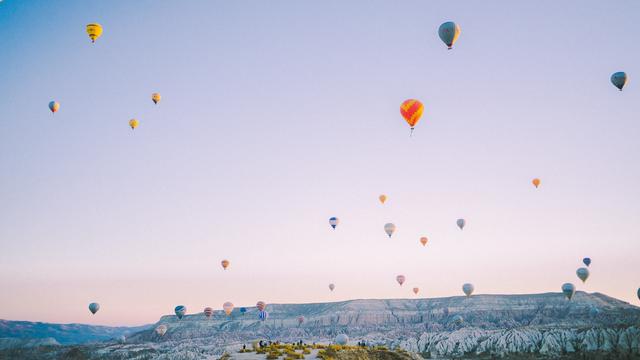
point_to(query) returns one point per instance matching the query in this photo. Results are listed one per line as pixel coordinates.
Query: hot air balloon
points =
(227, 307)
(341, 339)
(423, 240)
(261, 305)
(155, 97)
(467, 289)
(180, 310)
(416, 290)
(331, 287)
(263, 315)
(594, 311)
(208, 312)
(638, 293)
(449, 33)
(400, 279)
(300, 320)
(461, 223)
(587, 261)
(619, 79)
(457, 319)
(94, 307)
(243, 310)
(161, 330)
(536, 182)
(334, 221)
(411, 110)
(54, 106)
(583, 274)
(122, 339)
(225, 264)
(389, 228)
(133, 123)
(382, 198)
(568, 290)
(94, 31)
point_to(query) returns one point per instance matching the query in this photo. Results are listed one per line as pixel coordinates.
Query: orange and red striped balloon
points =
(411, 111)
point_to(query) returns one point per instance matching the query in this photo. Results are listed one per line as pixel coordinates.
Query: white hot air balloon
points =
(389, 228)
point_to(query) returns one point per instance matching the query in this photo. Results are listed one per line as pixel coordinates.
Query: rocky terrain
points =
(538, 326)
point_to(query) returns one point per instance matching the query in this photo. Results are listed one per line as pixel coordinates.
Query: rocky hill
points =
(538, 326)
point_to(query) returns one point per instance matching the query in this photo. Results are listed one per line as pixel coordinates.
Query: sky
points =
(276, 116)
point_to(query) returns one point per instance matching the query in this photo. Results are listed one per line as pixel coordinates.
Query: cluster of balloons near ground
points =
(411, 110)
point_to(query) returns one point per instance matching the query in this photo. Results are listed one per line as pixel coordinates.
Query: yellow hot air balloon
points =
(133, 123)
(94, 31)
(225, 264)
(536, 182)
(156, 98)
(382, 198)
(423, 240)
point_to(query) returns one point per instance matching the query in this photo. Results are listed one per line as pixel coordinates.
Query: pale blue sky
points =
(278, 115)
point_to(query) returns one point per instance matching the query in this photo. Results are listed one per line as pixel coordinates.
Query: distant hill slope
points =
(483, 326)
(64, 334)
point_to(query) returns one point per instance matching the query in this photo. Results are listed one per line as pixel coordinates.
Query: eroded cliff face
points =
(485, 325)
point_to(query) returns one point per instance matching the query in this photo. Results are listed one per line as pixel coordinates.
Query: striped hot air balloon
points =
(208, 312)
(263, 315)
(180, 310)
(411, 110)
(261, 305)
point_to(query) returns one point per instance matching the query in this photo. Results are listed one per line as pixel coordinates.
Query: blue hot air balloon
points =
(619, 79)
(180, 311)
(94, 307)
(243, 310)
(263, 315)
(568, 290)
(461, 223)
(587, 261)
(334, 221)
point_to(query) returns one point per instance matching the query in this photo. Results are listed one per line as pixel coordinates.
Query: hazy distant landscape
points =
(540, 325)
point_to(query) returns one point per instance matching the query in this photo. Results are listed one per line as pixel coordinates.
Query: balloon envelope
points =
(638, 293)
(458, 319)
(467, 289)
(225, 264)
(161, 330)
(300, 320)
(411, 110)
(619, 79)
(389, 228)
(133, 123)
(155, 97)
(243, 310)
(94, 307)
(94, 31)
(261, 305)
(583, 274)
(227, 307)
(536, 182)
(334, 221)
(568, 290)
(180, 310)
(263, 315)
(341, 339)
(586, 261)
(449, 33)
(382, 198)
(461, 223)
(416, 290)
(423, 240)
(331, 287)
(54, 106)
(208, 312)
(400, 279)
